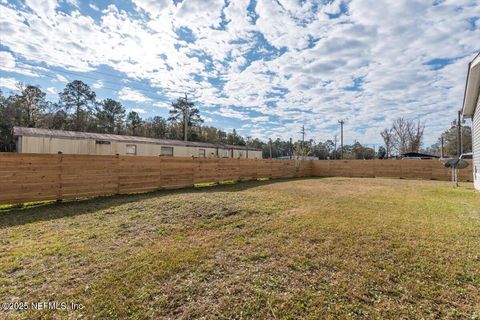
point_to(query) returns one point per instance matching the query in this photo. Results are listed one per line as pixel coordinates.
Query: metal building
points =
(34, 140)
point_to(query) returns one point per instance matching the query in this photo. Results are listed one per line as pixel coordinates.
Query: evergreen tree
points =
(10, 116)
(79, 98)
(235, 139)
(110, 116)
(134, 123)
(382, 153)
(184, 112)
(450, 140)
(156, 127)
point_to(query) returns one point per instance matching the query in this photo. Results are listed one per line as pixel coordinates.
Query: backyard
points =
(282, 249)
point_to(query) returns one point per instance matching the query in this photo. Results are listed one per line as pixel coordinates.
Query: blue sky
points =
(264, 67)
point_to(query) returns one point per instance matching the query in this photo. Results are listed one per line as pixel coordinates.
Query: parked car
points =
(468, 155)
(412, 158)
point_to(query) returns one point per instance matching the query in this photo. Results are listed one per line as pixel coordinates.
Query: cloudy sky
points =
(264, 67)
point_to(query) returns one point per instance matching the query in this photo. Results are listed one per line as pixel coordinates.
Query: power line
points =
(115, 90)
(63, 71)
(77, 74)
(41, 59)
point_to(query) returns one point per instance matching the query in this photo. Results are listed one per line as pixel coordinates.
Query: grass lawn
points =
(333, 248)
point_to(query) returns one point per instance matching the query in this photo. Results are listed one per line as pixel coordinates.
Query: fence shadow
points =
(16, 216)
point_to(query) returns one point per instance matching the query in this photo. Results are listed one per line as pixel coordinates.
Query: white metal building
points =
(34, 140)
(471, 109)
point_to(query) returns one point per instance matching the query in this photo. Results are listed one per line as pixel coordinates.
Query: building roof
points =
(36, 132)
(472, 88)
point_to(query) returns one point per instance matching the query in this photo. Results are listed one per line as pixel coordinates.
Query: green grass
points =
(333, 248)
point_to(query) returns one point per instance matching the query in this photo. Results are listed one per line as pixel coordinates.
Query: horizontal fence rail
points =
(38, 177)
(406, 169)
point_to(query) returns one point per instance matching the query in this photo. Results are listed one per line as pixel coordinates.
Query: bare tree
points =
(415, 135)
(388, 139)
(405, 135)
(400, 128)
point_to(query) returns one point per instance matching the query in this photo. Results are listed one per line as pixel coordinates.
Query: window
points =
(201, 153)
(102, 142)
(166, 151)
(131, 149)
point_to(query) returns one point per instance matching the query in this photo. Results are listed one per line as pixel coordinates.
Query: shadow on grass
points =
(15, 216)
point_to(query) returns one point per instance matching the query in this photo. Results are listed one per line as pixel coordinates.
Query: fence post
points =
(60, 176)
(117, 156)
(160, 168)
(401, 168)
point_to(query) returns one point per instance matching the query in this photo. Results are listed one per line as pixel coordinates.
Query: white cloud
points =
(52, 90)
(9, 83)
(7, 61)
(43, 8)
(73, 3)
(98, 84)
(61, 78)
(139, 110)
(162, 104)
(93, 7)
(231, 113)
(9, 64)
(127, 94)
(154, 7)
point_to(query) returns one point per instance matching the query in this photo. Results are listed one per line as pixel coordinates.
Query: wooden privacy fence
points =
(36, 177)
(407, 169)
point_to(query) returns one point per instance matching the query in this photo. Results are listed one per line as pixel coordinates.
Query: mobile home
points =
(34, 140)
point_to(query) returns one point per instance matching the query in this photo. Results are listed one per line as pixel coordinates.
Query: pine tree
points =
(110, 116)
(78, 96)
(134, 122)
(185, 112)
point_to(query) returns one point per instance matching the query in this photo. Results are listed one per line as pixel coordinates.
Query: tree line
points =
(406, 135)
(78, 109)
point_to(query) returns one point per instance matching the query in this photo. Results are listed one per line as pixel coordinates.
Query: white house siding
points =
(476, 146)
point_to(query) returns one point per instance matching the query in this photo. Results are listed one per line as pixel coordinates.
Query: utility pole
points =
(341, 137)
(270, 145)
(185, 119)
(442, 154)
(291, 149)
(335, 154)
(303, 136)
(459, 134)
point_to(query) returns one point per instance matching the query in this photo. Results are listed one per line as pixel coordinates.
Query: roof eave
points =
(472, 84)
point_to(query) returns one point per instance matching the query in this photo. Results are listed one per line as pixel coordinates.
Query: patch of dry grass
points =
(310, 248)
